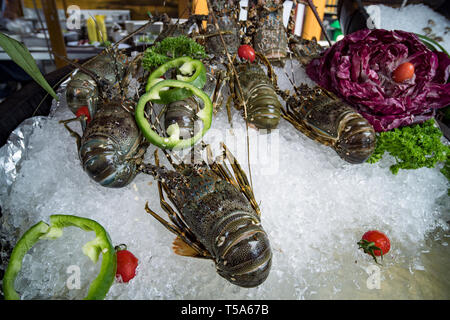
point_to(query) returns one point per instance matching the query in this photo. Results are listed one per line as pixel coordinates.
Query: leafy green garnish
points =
(170, 48)
(20, 55)
(413, 147)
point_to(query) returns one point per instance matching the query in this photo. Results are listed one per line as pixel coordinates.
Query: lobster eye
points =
(247, 261)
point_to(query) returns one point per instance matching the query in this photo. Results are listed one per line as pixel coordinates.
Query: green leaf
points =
(431, 44)
(20, 55)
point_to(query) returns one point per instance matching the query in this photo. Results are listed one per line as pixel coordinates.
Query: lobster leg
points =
(232, 96)
(241, 179)
(197, 248)
(222, 80)
(170, 227)
(228, 105)
(72, 133)
(170, 211)
(301, 126)
(166, 206)
(185, 243)
(221, 170)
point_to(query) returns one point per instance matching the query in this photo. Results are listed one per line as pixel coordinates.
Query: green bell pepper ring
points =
(173, 141)
(101, 244)
(186, 66)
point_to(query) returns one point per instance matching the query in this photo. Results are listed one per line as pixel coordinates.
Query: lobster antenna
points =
(216, 24)
(289, 78)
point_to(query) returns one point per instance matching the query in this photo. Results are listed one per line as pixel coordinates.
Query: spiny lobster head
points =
(82, 91)
(305, 50)
(110, 145)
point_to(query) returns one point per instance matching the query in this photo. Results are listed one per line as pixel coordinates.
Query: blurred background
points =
(63, 26)
(27, 21)
(56, 30)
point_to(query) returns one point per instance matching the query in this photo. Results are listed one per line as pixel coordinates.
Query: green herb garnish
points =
(170, 48)
(413, 147)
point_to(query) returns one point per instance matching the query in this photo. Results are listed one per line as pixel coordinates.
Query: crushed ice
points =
(315, 207)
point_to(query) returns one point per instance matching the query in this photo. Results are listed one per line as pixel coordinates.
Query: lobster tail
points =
(271, 39)
(104, 164)
(264, 108)
(110, 146)
(242, 250)
(268, 32)
(357, 139)
(225, 13)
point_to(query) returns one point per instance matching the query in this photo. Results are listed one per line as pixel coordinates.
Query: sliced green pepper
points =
(101, 244)
(186, 66)
(173, 141)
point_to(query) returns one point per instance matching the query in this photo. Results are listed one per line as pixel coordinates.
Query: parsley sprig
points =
(170, 48)
(413, 147)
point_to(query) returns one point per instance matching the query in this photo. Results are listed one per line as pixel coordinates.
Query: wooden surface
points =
(138, 8)
(311, 28)
(184, 9)
(55, 32)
